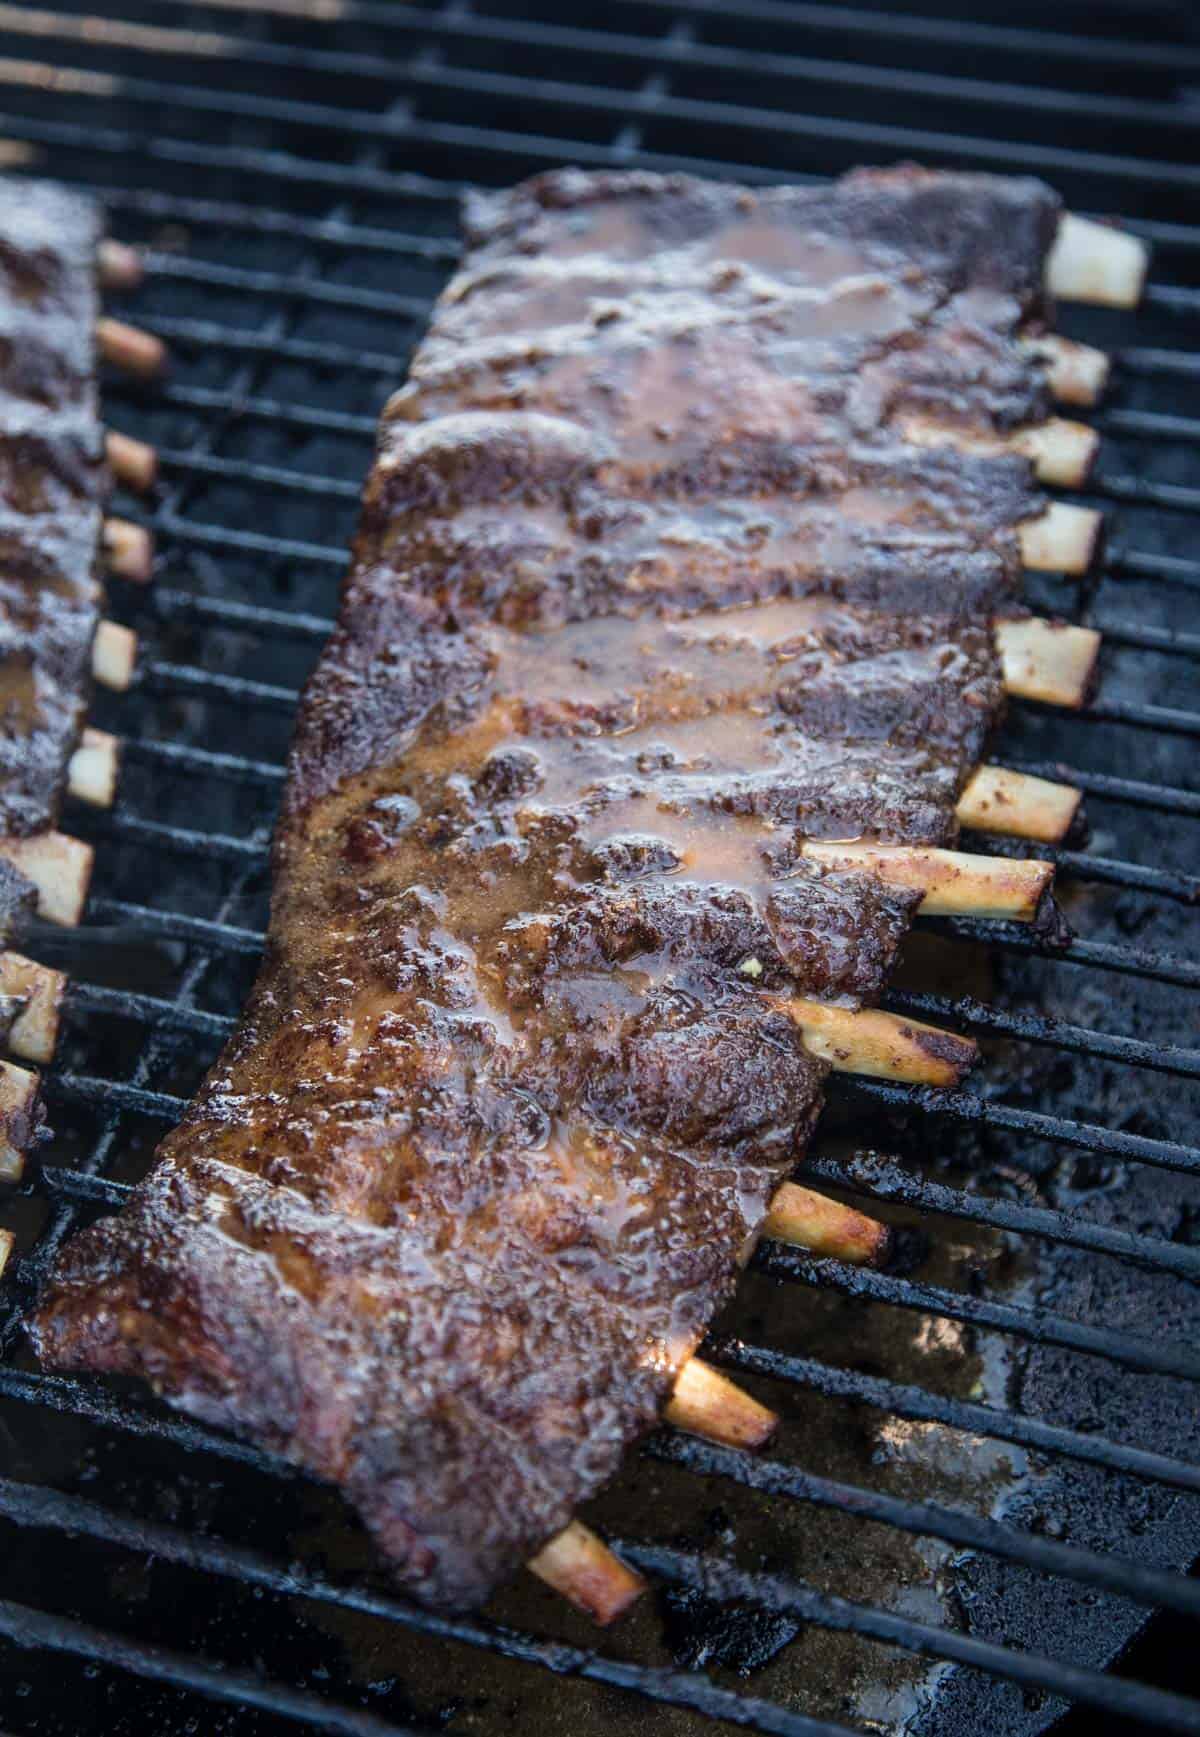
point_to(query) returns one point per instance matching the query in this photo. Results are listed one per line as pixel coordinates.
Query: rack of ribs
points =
(663, 675)
(56, 472)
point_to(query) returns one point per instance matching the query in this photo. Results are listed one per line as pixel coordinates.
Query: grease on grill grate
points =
(990, 1453)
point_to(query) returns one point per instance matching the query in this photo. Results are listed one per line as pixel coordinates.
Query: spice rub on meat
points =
(53, 487)
(647, 590)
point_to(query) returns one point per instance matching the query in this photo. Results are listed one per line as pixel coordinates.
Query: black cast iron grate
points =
(292, 167)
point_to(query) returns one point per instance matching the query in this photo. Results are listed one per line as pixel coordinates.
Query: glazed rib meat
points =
(53, 485)
(647, 590)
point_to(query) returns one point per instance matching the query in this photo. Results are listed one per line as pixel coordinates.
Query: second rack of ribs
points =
(646, 592)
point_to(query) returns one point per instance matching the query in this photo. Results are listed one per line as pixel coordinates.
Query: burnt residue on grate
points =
(291, 172)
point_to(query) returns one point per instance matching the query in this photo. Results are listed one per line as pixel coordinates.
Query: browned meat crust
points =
(18, 897)
(53, 484)
(645, 592)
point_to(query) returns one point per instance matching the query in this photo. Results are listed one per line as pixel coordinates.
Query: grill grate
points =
(292, 292)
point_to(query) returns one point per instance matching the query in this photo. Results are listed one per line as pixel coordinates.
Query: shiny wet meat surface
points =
(646, 591)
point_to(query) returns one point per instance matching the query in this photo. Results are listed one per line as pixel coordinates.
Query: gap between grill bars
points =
(277, 146)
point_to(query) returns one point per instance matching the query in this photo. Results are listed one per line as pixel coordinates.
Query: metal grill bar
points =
(1038, 1326)
(612, 103)
(30, 1629)
(277, 286)
(921, 1406)
(1037, 1028)
(887, 26)
(876, 1178)
(1168, 569)
(1104, 955)
(1136, 791)
(966, 1107)
(675, 51)
(528, 149)
(1046, 1675)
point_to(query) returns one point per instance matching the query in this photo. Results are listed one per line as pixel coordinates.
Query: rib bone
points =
(132, 462)
(18, 1101)
(93, 767)
(1062, 452)
(6, 1248)
(1048, 660)
(826, 1227)
(997, 800)
(584, 1569)
(881, 1045)
(1075, 373)
(130, 349)
(34, 1032)
(1090, 262)
(708, 1404)
(953, 882)
(579, 1565)
(59, 867)
(1063, 539)
(130, 550)
(114, 655)
(119, 267)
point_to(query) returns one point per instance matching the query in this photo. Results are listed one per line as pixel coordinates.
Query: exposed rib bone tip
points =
(60, 868)
(131, 461)
(954, 883)
(18, 1102)
(812, 1221)
(93, 768)
(130, 550)
(114, 656)
(1062, 453)
(1018, 805)
(585, 1571)
(1063, 539)
(131, 349)
(17, 154)
(34, 1032)
(882, 1045)
(119, 266)
(1051, 661)
(6, 1247)
(1091, 262)
(708, 1404)
(1075, 373)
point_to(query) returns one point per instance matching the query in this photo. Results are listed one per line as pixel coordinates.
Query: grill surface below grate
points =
(989, 1468)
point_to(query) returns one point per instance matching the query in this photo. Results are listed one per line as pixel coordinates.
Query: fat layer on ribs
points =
(646, 591)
